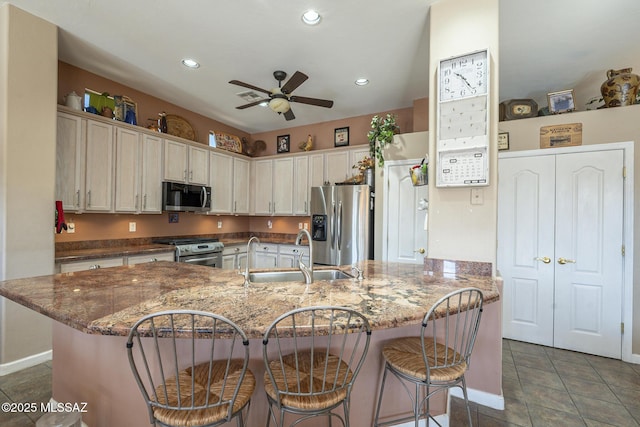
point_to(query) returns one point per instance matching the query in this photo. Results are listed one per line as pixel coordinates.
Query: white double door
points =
(560, 240)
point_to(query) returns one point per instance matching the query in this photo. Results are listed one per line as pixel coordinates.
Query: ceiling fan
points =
(280, 98)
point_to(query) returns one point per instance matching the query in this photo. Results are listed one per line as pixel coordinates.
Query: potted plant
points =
(381, 134)
(365, 170)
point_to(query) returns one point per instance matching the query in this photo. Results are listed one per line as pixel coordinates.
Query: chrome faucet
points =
(307, 271)
(246, 272)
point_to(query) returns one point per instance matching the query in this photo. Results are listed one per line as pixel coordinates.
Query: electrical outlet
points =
(269, 224)
(132, 227)
(219, 224)
(306, 225)
(477, 196)
(299, 226)
(71, 227)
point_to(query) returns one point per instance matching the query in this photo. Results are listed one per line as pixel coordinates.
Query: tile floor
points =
(542, 386)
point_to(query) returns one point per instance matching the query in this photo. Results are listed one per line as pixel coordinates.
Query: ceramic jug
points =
(620, 88)
(72, 100)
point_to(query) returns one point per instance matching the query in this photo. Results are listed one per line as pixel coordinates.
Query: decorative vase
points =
(369, 178)
(620, 88)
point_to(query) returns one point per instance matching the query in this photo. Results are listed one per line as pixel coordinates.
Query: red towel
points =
(60, 224)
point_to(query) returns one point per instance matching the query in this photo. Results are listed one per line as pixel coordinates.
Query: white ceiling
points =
(545, 45)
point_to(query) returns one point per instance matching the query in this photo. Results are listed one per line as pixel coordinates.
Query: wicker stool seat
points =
(192, 368)
(309, 396)
(312, 356)
(437, 359)
(405, 355)
(216, 392)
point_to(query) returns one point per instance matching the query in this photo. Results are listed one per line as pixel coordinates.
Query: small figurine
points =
(306, 145)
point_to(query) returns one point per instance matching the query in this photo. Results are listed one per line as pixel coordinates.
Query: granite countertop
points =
(108, 252)
(108, 301)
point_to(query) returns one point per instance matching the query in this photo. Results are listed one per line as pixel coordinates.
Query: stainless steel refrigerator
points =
(341, 224)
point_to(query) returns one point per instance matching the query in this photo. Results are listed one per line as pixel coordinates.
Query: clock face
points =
(464, 76)
(521, 110)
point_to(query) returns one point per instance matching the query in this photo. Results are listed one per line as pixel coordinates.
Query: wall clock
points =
(463, 120)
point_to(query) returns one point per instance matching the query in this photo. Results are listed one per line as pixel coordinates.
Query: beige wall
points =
(457, 229)
(598, 127)
(28, 78)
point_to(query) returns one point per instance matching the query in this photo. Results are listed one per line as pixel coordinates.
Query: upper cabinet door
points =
(337, 166)
(70, 144)
(263, 188)
(99, 167)
(198, 166)
(127, 182)
(283, 186)
(151, 174)
(175, 161)
(241, 174)
(301, 186)
(221, 168)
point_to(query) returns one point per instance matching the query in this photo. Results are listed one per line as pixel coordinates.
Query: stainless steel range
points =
(201, 251)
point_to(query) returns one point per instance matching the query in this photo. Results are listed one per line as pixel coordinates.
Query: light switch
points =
(71, 227)
(219, 224)
(132, 227)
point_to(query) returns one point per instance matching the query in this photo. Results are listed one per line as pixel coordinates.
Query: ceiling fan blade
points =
(247, 85)
(296, 80)
(312, 101)
(251, 104)
(289, 115)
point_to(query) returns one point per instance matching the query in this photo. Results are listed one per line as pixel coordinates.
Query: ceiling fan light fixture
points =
(190, 63)
(279, 105)
(362, 82)
(311, 17)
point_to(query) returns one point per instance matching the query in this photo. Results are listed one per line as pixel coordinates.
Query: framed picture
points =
(561, 102)
(341, 137)
(284, 143)
(503, 141)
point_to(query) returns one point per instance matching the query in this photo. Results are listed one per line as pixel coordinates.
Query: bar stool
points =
(312, 357)
(438, 359)
(191, 367)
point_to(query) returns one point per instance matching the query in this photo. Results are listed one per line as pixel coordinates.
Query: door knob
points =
(420, 251)
(544, 259)
(566, 261)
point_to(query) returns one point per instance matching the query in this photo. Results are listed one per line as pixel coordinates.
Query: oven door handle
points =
(188, 260)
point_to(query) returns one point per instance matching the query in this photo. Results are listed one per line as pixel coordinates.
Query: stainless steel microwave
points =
(185, 197)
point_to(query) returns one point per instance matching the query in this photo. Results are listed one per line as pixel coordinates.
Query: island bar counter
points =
(95, 309)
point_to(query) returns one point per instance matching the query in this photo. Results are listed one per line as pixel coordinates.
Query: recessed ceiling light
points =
(362, 82)
(191, 63)
(311, 17)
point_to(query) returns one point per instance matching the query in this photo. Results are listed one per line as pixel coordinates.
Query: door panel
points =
(560, 230)
(526, 212)
(405, 235)
(589, 236)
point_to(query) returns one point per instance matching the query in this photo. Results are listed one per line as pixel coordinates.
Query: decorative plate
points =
(178, 126)
(228, 142)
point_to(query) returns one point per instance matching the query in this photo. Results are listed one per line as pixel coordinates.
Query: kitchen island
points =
(95, 309)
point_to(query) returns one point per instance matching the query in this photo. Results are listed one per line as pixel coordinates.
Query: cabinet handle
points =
(185, 175)
(544, 259)
(94, 267)
(237, 249)
(566, 261)
(305, 206)
(77, 198)
(191, 175)
(235, 206)
(420, 251)
(144, 202)
(154, 260)
(269, 207)
(89, 198)
(137, 199)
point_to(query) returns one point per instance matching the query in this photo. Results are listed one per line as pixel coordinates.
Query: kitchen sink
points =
(296, 276)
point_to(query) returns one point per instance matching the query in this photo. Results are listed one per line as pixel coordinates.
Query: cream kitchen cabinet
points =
(234, 257)
(337, 166)
(301, 187)
(241, 179)
(316, 170)
(229, 196)
(273, 185)
(138, 187)
(151, 174)
(186, 163)
(356, 155)
(70, 161)
(288, 255)
(99, 167)
(127, 181)
(266, 256)
(93, 264)
(154, 257)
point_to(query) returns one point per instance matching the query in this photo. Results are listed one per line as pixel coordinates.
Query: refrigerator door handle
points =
(332, 226)
(339, 226)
